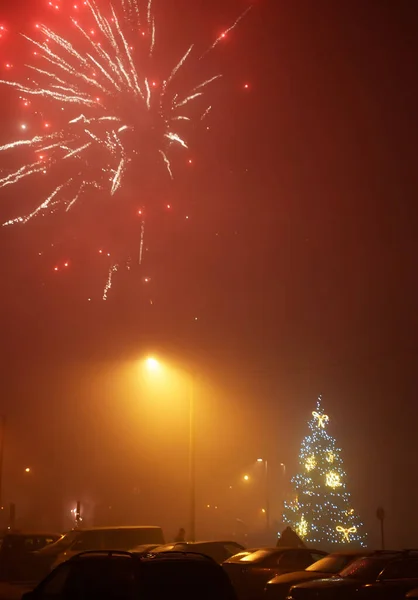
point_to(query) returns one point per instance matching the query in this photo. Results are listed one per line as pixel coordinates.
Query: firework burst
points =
(114, 112)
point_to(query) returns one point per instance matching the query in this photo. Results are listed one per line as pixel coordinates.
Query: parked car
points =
(250, 570)
(278, 587)
(117, 575)
(219, 551)
(380, 576)
(15, 552)
(97, 538)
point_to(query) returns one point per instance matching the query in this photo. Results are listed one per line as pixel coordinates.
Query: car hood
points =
(329, 582)
(297, 577)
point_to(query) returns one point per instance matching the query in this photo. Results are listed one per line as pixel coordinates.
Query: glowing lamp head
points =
(260, 460)
(27, 470)
(152, 364)
(246, 478)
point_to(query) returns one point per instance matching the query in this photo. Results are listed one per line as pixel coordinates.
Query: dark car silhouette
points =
(380, 576)
(118, 575)
(278, 587)
(250, 570)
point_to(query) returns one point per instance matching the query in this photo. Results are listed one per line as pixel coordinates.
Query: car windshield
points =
(65, 541)
(365, 569)
(330, 564)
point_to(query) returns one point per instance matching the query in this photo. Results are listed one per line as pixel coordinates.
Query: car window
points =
(54, 585)
(47, 540)
(294, 560)
(232, 548)
(366, 569)
(126, 539)
(63, 543)
(87, 540)
(178, 579)
(30, 543)
(401, 569)
(102, 578)
(316, 556)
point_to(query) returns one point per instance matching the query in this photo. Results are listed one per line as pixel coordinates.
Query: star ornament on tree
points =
(346, 532)
(330, 457)
(333, 480)
(310, 463)
(302, 527)
(322, 419)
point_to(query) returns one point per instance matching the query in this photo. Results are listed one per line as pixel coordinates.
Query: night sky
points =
(295, 275)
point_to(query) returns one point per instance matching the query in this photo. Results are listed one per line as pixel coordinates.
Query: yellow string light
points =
(302, 527)
(310, 463)
(333, 480)
(322, 419)
(346, 531)
(330, 457)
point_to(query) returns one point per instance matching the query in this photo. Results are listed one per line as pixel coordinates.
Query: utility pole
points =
(192, 460)
(380, 514)
(2, 434)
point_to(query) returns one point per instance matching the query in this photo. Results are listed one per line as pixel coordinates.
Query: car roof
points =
(358, 552)
(116, 527)
(31, 533)
(273, 550)
(168, 555)
(209, 542)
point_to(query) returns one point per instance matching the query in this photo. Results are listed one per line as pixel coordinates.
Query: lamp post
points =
(3, 434)
(267, 491)
(192, 461)
(154, 365)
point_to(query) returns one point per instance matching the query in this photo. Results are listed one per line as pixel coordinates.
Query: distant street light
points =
(154, 365)
(246, 478)
(27, 470)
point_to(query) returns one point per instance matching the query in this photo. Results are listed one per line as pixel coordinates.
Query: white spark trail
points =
(153, 32)
(35, 140)
(128, 54)
(205, 114)
(205, 83)
(225, 33)
(116, 183)
(141, 243)
(21, 173)
(187, 100)
(113, 269)
(76, 197)
(167, 163)
(77, 150)
(45, 204)
(177, 67)
(174, 137)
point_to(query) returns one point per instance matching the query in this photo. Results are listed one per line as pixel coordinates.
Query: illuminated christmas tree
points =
(321, 512)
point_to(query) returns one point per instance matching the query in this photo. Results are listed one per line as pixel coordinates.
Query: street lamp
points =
(246, 478)
(154, 365)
